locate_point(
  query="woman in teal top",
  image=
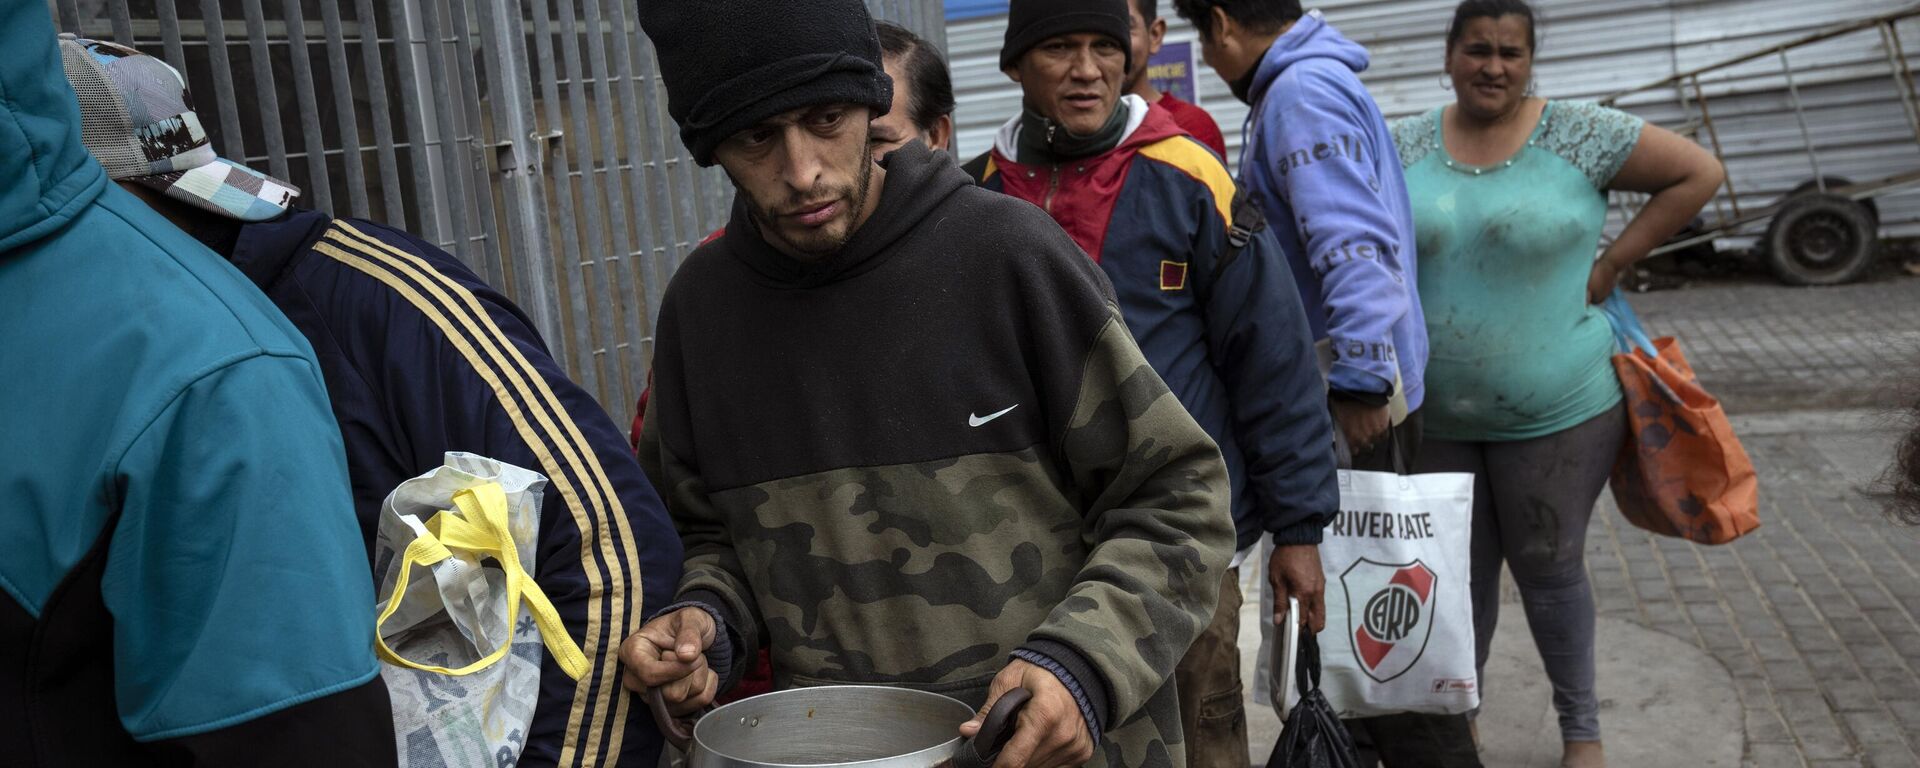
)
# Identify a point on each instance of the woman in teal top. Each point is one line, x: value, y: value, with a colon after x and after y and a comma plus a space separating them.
x: 1509, y: 199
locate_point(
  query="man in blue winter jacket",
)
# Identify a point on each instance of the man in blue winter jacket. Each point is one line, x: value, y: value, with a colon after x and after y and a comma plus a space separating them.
x: 181, y: 579
x: 420, y: 357
x: 1321, y: 162
x: 1206, y: 292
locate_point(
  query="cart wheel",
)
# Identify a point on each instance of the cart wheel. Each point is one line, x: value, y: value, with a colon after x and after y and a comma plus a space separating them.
x: 1821, y: 240
x: 1811, y: 186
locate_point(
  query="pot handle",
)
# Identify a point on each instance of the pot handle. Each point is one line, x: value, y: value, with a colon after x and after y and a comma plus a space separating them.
x: 981, y: 750
x: 678, y: 732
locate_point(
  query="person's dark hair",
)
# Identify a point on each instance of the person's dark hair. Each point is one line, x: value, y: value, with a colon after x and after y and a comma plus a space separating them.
x: 1260, y: 16
x: 1149, y: 10
x: 932, y: 87
x: 1468, y: 10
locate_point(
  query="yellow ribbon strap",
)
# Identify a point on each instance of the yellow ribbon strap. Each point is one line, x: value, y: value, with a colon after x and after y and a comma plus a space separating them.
x: 480, y: 527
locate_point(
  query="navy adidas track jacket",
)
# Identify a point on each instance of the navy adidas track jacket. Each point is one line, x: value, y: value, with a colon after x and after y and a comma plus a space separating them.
x: 420, y: 357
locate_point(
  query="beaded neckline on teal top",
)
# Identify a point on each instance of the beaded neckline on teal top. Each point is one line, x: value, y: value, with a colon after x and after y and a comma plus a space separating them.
x: 1446, y: 158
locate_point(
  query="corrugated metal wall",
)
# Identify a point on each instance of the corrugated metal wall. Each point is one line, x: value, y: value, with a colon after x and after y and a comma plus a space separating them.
x: 1588, y: 49
x: 1851, y: 101
x: 528, y: 137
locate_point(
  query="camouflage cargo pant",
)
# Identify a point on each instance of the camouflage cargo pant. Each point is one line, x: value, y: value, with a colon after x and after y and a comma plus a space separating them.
x: 1212, y: 713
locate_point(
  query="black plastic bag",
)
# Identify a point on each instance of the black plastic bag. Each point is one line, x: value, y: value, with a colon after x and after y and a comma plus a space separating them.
x: 1312, y: 736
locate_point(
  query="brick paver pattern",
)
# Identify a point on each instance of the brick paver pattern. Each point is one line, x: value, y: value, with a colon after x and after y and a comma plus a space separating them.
x: 1815, y: 613
x: 1768, y: 347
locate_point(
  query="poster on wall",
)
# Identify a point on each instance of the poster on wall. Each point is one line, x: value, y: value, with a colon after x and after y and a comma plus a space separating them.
x: 1171, y: 71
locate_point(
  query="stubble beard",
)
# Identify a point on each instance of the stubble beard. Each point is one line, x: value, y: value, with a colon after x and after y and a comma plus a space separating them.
x: 825, y: 246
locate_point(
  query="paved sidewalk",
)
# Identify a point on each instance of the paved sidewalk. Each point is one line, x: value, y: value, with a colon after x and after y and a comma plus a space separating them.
x: 1770, y: 347
x: 1814, y: 618
x: 1814, y: 615
x: 1664, y: 703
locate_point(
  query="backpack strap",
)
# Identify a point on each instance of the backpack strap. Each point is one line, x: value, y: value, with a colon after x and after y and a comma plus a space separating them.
x: 1248, y: 222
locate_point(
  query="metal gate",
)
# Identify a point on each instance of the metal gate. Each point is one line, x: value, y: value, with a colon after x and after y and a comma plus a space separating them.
x: 528, y: 137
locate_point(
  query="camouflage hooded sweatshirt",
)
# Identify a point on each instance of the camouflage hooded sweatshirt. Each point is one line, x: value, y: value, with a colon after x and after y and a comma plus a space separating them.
x: 906, y: 462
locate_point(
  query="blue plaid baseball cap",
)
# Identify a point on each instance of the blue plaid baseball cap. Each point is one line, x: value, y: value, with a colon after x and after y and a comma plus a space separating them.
x: 137, y: 119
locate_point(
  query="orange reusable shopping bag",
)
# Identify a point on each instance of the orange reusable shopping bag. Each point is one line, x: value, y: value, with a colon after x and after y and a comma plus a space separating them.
x: 1681, y: 471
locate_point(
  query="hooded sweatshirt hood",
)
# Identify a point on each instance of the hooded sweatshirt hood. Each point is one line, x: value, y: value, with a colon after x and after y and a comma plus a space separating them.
x: 50, y: 177
x: 918, y: 179
x: 1318, y: 149
x: 1310, y: 38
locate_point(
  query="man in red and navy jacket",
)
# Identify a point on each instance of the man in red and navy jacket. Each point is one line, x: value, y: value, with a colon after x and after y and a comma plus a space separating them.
x: 1212, y: 305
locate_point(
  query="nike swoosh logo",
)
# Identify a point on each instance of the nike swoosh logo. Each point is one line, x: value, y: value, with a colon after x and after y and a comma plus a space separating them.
x: 975, y: 421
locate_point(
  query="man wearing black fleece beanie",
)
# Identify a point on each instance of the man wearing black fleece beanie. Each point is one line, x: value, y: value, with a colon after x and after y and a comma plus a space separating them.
x: 900, y: 425
x: 1029, y: 23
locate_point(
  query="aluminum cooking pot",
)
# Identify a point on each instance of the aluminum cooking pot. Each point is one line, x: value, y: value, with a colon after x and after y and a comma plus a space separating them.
x: 843, y: 726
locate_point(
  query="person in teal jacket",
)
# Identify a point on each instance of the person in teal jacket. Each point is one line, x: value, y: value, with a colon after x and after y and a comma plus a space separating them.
x: 181, y: 578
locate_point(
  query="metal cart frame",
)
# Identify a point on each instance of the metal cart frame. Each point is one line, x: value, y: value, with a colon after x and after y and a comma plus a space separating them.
x: 1812, y: 235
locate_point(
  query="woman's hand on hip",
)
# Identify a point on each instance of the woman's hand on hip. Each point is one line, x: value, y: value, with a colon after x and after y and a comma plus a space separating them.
x: 1601, y: 282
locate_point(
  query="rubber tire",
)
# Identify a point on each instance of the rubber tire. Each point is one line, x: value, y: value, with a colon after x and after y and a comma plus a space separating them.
x: 1821, y: 240
x: 1812, y: 186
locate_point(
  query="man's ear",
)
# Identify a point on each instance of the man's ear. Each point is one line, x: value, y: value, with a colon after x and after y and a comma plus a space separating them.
x: 1223, y: 25
x: 1157, y: 35
x: 941, y: 135
x: 1013, y: 72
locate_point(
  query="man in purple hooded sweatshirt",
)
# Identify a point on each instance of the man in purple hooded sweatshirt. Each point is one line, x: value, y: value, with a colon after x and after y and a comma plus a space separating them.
x: 1320, y: 162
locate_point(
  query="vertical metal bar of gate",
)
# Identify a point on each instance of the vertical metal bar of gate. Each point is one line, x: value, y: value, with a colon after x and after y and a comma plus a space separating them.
x: 412, y: 107
x: 687, y: 201
x: 344, y: 112
x: 268, y: 106
x: 610, y: 143
x: 170, y: 34
x: 453, y: 181
x: 472, y: 165
x: 657, y: 137
x: 595, y: 242
x: 319, y: 192
x: 519, y: 161
x: 636, y: 100
x: 530, y: 267
x: 936, y: 28
x: 70, y: 16
x: 637, y: 265
x: 231, y: 140
x: 379, y: 110
x: 122, y: 25
x: 579, y: 339
x: 692, y: 215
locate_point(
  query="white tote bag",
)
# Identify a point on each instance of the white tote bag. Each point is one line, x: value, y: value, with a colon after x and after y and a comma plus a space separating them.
x: 453, y: 559
x: 1399, y: 634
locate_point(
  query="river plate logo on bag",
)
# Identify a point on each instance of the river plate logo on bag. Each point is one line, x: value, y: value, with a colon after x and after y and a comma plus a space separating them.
x: 1388, y: 612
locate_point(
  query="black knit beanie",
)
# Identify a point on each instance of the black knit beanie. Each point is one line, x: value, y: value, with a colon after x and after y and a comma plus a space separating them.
x: 729, y: 64
x: 1031, y: 21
